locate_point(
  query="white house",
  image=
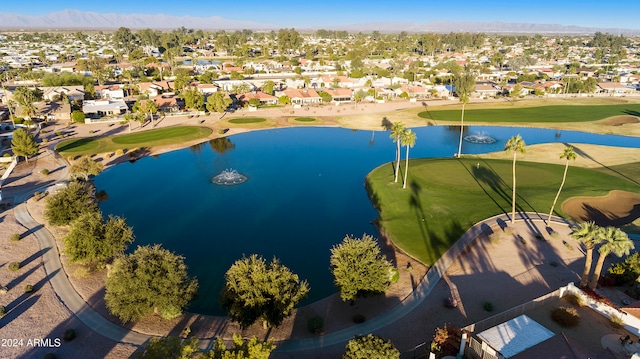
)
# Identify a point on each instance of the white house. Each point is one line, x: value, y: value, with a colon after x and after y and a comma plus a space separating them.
x: 101, y: 108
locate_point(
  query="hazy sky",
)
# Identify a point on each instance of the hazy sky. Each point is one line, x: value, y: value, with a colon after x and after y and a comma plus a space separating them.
x: 300, y: 13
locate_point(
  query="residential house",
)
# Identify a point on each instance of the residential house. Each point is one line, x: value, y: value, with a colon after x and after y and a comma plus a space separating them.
x: 340, y: 81
x: 303, y: 97
x: 54, y: 111
x: 340, y: 95
x: 168, y: 102
x: 74, y: 93
x: 153, y: 89
x: 109, y: 92
x: 207, y: 89
x: 102, y: 108
x: 414, y: 91
x: 615, y: 88
x: 265, y: 99
x: 485, y: 90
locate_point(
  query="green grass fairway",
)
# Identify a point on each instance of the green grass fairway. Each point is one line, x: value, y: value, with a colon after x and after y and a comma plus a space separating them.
x: 539, y: 114
x: 245, y: 120
x: 445, y: 197
x: 305, y: 119
x: 158, y: 137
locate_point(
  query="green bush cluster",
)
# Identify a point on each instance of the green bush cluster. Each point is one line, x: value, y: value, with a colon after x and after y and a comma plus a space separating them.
x: 14, y: 266
x: 15, y: 237
x: 626, y: 272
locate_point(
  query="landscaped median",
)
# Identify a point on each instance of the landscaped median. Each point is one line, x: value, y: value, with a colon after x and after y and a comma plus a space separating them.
x: 158, y: 137
x: 445, y: 197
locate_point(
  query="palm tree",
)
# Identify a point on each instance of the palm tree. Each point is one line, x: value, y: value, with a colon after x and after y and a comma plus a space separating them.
x: 408, y: 139
x: 588, y: 233
x: 397, y: 128
x: 465, y: 84
x: 569, y: 155
x: 515, y: 145
x: 614, y: 241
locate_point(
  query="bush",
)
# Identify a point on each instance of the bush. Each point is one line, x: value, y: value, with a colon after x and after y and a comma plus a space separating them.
x: 508, y: 231
x: 15, y: 237
x: 69, y: 335
x: 575, y: 299
x: 3, y: 310
x: 555, y: 235
x: 359, y: 318
x: 119, y: 152
x: 315, y: 325
x: 566, y: 317
x: 14, y: 266
x: 45, y: 171
x: 394, y: 275
x: 28, y: 288
x: 616, y: 321
x: 494, y: 238
x: 488, y: 306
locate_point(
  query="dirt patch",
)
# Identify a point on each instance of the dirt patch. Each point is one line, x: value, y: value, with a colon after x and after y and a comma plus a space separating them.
x: 615, y: 209
x: 620, y: 120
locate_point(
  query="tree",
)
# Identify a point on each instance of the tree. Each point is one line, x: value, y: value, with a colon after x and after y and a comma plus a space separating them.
x: 91, y: 240
x: 465, y: 84
x: 194, y: 99
x: 588, y: 233
x: 408, y: 139
x: 370, y: 347
x: 242, y: 349
x: 615, y: 241
x: 69, y: 203
x: 124, y: 39
x: 85, y: 167
x: 170, y: 347
x: 24, y: 144
x: 515, y: 145
x: 255, y: 290
x: 397, y: 129
x: 268, y: 87
x: 255, y: 102
x: 218, y: 102
x: 78, y: 116
x: 516, y: 91
x: 284, y: 100
x: 359, y: 268
x: 150, y: 280
x: 150, y: 107
x: 325, y: 96
x: 569, y: 155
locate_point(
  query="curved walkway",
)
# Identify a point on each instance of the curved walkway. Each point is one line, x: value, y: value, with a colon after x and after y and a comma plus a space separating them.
x: 72, y: 300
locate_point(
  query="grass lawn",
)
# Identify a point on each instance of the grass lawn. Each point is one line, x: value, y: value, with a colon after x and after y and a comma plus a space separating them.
x: 445, y: 197
x: 305, y: 119
x: 539, y: 114
x: 158, y: 137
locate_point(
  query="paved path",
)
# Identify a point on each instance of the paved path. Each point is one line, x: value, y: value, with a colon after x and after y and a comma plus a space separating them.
x: 70, y: 298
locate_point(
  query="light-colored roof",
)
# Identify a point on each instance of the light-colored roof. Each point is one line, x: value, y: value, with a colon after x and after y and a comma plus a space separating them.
x: 515, y: 335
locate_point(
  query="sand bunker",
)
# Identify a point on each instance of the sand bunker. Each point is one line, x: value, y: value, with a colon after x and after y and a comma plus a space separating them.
x: 620, y: 120
x: 615, y: 209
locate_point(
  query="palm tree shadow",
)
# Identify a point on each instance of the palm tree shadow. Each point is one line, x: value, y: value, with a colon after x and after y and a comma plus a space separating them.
x: 587, y: 156
x: 485, y: 176
x: 414, y: 203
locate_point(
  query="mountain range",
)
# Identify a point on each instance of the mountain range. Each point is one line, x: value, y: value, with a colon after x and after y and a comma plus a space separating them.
x: 82, y: 20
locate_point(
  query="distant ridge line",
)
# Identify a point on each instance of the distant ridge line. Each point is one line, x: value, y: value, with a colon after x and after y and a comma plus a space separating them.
x: 85, y: 20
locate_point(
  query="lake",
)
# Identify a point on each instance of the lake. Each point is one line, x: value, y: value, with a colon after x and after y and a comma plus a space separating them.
x: 304, y: 193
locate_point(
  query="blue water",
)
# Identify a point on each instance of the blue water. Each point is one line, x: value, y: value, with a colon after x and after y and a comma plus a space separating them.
x: 305, y: 192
